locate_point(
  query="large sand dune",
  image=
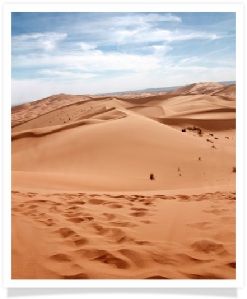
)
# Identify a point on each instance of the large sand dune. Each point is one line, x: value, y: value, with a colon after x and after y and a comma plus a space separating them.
x: 81, y: 180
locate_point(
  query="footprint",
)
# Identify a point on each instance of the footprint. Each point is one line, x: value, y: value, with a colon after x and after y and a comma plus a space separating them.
x: 138, y: 214
x: 109, y: 216
x: 133, y: 256
x: 146, y: 221
x: 32, y: 206
x: 118, y: 196
x: 208, y: 246
x: 203, y: 276
x: 125, y: 239
x: 77, y: 276
x: 165, y: 196
x: 73, y: 208
x: 60, y: 257
x: 96, y: 201
x: 163, y: 259
x: 31, y: 212
x: 72, y: 214
x: 113, y: 261
x: 30, y: 195
x: 184, y: 197
x: 139, y: 209
x: 148, y: 201
x: 185, y: 258
x: 79, y: 240
x: 54, y: 209
x: 15, y: 192
x: 88, y: 218
x: 76, y: 220
x: 48, y: 222
x: 66, y: 232
x: 115, y: 206
x: 38, y: 201
x: 122, y: 224
x: 16, y: 209
x: 77, y: 202
x: 142, y: 242
x: 157, y: 277
x: 90, y: 253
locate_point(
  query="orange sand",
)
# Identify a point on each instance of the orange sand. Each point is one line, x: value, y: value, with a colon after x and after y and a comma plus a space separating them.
x: 80, y: 182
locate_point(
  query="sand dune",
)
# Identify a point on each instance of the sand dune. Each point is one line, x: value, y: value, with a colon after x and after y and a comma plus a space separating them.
x: 227, y: 91
x: 113, y: 152
x: 198, y: 88
x: 28, y: 111
x: 207, y: 88
x: 81, y: 182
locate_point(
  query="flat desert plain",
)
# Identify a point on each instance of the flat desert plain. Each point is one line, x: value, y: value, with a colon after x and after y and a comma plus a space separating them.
x: 132, y: 186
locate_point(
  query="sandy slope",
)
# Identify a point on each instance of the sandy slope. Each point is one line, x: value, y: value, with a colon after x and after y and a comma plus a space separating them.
x: 27, y: 111
x: 80, y: 179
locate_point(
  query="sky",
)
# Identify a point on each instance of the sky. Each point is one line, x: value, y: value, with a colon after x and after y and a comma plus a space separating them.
x: 92, y: 53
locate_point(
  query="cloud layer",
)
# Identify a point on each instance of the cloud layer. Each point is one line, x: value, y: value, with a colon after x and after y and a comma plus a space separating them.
x: 133, y: 50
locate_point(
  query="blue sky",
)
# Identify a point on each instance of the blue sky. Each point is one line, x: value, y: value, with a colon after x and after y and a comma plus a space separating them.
x: 90, y: 53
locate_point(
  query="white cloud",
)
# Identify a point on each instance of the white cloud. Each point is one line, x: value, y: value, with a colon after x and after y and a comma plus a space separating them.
x: 44, y: 41
x: 86, y: 46
x: 90, y: 61
x: 110, y: 29
x: 161, y: 35
x: 160, y: 50
x: 138, y: 20
x: 25, y: 37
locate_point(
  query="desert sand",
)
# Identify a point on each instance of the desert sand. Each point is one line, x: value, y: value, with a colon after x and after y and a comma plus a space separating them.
x: 83, y: 203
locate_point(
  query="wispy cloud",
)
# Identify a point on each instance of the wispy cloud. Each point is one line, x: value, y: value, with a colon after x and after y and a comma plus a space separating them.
x: 90, y: 61
x: 205, y: 58
x: 162, y: 35
x: 43, y: 41
x: 189, y: 60
x: 141, y: 19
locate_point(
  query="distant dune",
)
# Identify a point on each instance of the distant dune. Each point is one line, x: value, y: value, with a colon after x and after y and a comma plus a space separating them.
x: 81, y: 181
x: 208, y: 88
